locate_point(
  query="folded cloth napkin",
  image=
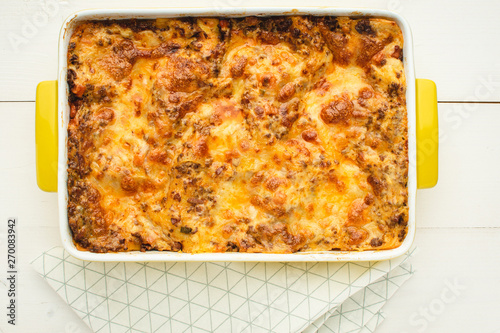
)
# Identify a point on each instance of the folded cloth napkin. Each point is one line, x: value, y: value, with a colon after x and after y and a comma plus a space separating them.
x: 224, y: 297
x: 362, y: 311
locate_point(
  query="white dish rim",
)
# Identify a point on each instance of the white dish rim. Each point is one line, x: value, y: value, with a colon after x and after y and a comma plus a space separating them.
x: 144, y: 13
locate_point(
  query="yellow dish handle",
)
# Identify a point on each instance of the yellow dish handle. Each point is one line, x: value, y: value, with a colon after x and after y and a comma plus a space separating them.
x: 427, y: 134
x: 46, y: 135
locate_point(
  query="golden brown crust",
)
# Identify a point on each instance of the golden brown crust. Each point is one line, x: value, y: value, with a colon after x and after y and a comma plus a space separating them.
x: 270, y: 134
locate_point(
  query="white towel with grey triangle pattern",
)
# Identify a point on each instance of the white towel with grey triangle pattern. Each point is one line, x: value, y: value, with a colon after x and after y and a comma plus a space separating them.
x: 224, y: 297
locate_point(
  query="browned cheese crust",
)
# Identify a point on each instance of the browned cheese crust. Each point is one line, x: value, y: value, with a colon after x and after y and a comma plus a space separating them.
x: 272, y: 134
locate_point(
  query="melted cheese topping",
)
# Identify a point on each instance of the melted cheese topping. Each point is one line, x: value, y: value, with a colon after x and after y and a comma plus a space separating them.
x: 278, y: 134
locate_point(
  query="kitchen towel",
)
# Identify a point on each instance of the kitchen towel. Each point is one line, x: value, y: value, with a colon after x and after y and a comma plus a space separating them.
x: 224, y: 296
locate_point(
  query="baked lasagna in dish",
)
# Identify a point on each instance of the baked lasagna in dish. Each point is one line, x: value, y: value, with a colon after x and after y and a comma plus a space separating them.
x: 255, y: 134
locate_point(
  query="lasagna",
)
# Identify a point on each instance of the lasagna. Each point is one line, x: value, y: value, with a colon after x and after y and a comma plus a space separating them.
x: 274, y: 134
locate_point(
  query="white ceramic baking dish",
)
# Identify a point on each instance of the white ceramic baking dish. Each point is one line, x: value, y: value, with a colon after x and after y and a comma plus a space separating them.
x: 52, y: 114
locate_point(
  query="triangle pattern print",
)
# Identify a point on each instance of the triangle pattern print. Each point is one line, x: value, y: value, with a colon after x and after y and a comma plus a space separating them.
x: 223, y: 297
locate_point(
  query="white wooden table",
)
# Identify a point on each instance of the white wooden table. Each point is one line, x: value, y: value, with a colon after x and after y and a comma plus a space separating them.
x: 456, y: 287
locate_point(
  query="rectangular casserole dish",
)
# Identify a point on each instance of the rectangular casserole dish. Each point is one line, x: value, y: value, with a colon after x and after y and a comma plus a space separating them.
x: 53, y: 113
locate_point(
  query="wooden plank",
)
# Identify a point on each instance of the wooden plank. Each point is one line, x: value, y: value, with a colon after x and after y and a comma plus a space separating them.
x: 455, y: 286
x: 453, y: 43
x: 469, y: 154
x: 40, y: 309
x: 20, y: 195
